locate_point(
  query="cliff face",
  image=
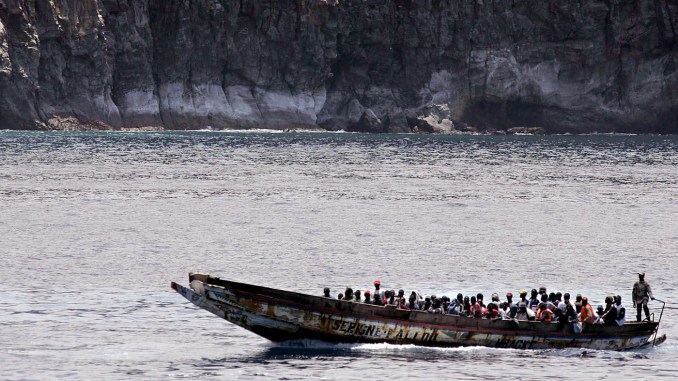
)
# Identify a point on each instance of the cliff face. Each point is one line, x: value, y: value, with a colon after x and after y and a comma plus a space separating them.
x: 368, y: 65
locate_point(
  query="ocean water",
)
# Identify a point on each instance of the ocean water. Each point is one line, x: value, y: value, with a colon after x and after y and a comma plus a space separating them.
x: 95, y: 226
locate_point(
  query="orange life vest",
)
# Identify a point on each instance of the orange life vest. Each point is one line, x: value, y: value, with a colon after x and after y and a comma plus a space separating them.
x: 545, y: 315
x: 587, y: 314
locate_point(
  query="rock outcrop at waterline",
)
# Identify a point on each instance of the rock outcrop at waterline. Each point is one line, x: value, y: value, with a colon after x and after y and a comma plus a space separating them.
x: 361, y: 65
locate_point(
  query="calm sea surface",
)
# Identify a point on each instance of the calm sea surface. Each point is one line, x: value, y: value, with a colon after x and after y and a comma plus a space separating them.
x: 94, y: 226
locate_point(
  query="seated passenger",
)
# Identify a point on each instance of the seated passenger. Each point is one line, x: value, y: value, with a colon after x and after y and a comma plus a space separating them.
x: 571, y: 314
x: 467, y: 306
x: 621, y: 311
x: 446, y: 304
x: 544, y: 313
x: 493, y: 306
x: 609, y: 315
x: 566, y: 300
x: 492, y: 311
x: 456, y: 306
x: 413, y: 301
x: 549, y: 304
x: 477, y: 309
x: 577, y: 300
x: 534, y: 301
x: 368, y: 299
x: 509, y: 299
x: 393, y: 300
x: 402, y: 304
x: 387, y: 296
x: 427, y: 304
x: 523, y: 297
x: 436, y: 305
x: 504, y: 310
x: 326, y: 292
x: 524, y: 313
x: 357, y: 296
x: 586, y: 315
x: 599, y: 314
x: 348, y: 294
x: 340, y: 296
x: 480, y: 299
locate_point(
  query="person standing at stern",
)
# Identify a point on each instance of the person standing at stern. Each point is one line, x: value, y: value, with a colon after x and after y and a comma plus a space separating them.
x: 642, y: 294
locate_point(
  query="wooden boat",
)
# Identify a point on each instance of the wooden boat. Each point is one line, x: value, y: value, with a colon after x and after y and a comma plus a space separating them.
x: 282, y: 315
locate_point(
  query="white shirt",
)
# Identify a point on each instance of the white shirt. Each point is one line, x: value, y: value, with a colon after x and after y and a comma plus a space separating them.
x: 622, y: 320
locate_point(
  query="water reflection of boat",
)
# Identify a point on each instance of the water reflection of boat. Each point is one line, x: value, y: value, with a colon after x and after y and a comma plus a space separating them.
x: 282, y: 315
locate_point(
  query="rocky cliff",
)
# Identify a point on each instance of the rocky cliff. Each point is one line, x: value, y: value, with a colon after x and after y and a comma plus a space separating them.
x: 366, y: 65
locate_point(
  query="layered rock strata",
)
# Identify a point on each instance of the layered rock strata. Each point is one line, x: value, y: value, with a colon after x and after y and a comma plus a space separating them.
x: 358, y: 65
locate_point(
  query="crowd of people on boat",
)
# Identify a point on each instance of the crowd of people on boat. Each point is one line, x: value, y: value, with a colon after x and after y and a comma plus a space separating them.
x: 539, y: 305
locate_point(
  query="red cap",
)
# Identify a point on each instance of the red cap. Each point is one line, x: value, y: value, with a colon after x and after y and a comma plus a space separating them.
x: 509, y: 294
x: 377, y: 281
x: 367, y: 292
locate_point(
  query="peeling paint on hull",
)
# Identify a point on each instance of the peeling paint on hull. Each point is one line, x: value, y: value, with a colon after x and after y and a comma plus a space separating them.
x: 280, y: 315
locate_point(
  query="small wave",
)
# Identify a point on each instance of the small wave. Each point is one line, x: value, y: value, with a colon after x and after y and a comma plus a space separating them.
x: 381, y: 347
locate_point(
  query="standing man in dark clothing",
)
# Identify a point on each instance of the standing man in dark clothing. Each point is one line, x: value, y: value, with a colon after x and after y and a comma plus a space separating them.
x: 642, y: 293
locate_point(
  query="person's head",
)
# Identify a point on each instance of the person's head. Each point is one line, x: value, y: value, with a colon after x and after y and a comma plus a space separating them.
x: 542, y: 290
x: 641, y: 276
x: 617, y: 300
x: 522, y: 307
x: 544, y: 298
x: 401, y: 293
x: 534, y: 293
x: 509, y: 296
x: 542, y: 306
x: 466, y: 300
x: 479, y: 297
x: 495, y: 297
x: 523, y: 294
x: 559, y: 296
x: 566, y: 297
x: 377, y: 284
x: 387, y: 294
x: 552, y: 297
x: 584, y: 301
x: 503, y: 305
x: 578, y: 298
x: 600, y: 309
x: 368, y: 295
x: 357, y: 294
x: 413, y: 297
x: 340, y: 296
x: 326, y: 292
x: 474, y: 300
x: 609, y: 299
x: 460, y: 297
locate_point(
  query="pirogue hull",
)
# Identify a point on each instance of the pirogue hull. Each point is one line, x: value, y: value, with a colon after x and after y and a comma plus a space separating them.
x: 282, y: 315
